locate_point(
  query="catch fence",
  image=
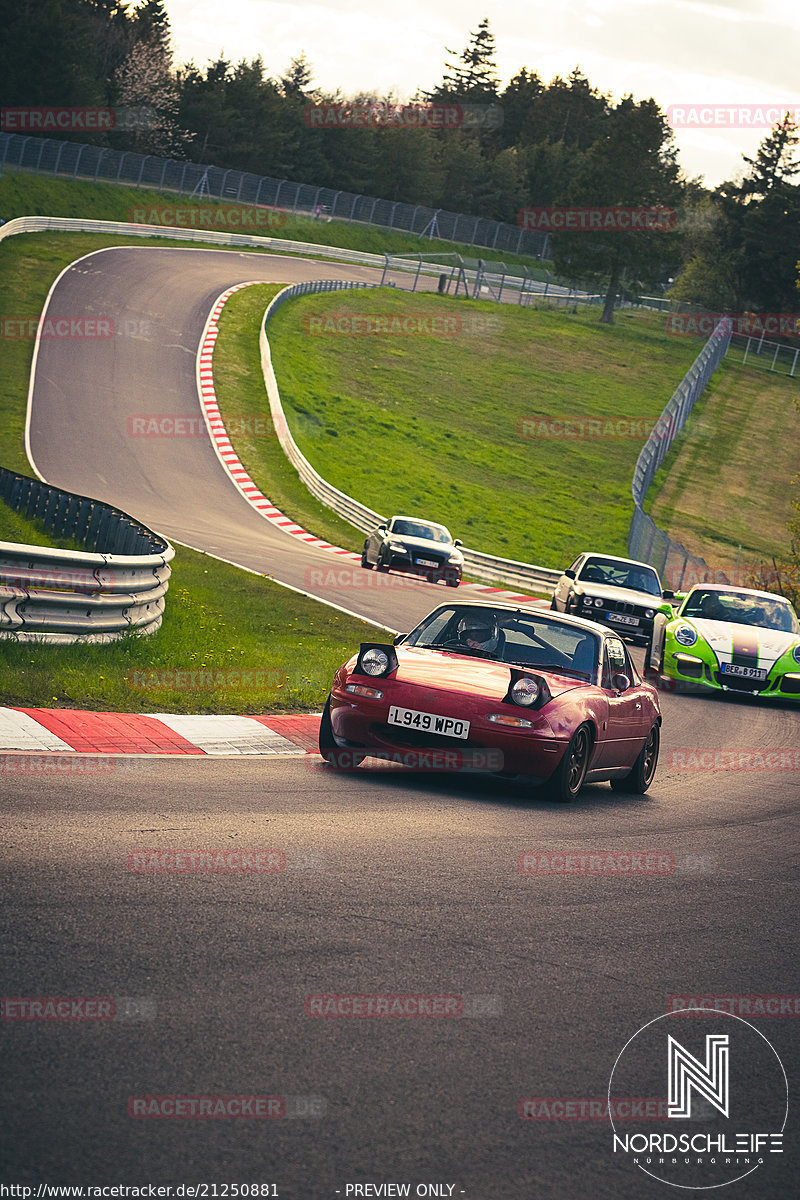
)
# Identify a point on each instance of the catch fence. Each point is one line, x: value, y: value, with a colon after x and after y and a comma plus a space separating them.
x: 102, y: 164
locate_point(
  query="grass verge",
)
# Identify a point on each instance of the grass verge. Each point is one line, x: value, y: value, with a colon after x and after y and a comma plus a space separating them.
x: 230, y: 642
x: 24, y: 194
x: 724, y: 490
x: 486, y: 429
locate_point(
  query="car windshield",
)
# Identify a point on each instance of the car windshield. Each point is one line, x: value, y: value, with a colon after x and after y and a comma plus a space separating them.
x: 741, y: 608
x: 420, y: 529
x: 620, y: 574
x: 519, y: 638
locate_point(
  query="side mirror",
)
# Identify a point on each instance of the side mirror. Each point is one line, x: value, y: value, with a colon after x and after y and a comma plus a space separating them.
x: 570, y: 574
x: 381, y: 529
x: 667, y: 594
x: 398, y: 638
x: 621, y: 682
x: 458, y: 542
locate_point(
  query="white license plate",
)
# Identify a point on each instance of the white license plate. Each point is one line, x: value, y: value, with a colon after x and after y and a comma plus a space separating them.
x: 622, y: 619
x: 425, y: 562
x: 759, y: 673
x: 411, y: 718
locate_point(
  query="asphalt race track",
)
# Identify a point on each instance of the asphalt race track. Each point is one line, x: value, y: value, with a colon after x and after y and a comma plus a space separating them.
x: 393, y: 884
x: 83, y: 398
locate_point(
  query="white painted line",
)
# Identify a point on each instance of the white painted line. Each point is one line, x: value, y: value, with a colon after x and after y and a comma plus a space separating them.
x: 18, y: 731
x: 228, y: 735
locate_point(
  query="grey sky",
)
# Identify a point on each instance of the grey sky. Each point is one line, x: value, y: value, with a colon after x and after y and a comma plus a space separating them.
x: 686, y: 52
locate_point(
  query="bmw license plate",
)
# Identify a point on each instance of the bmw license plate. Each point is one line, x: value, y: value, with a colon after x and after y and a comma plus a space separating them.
x: 425, y: 562
x: 759, y: 673
x: 622, y: 618
x: 411, y: 718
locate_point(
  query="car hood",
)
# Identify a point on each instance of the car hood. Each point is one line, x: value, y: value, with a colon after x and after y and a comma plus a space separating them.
x: 607, y: 591
x: 448, y: 670
x: 415, y: 543
x: 726, y: 638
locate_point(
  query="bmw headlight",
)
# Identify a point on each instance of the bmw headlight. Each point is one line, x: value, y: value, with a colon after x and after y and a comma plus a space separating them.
x: 374, y: 662
x: 796, y: 652
x: 685, y: 635
x: 649, y: 612
x: 598, y: 603
x: 525, y: 691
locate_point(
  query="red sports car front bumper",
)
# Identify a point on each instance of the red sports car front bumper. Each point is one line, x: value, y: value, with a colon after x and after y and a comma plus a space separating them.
x: 362, y: 723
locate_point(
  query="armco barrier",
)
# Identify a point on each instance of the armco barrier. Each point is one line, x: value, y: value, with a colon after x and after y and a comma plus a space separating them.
x: 118, y: 583
x: 482, y: 566
x: 646, y: 541
x: 472, y: 276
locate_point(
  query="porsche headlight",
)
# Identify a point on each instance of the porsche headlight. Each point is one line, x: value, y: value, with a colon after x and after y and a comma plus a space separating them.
x: 685, y: 635
x: 374, y: 662
x: 525, y: 691
x: 796, y: 652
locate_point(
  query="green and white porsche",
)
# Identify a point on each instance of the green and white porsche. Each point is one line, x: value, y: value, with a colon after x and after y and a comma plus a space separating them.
x: 728, y: 639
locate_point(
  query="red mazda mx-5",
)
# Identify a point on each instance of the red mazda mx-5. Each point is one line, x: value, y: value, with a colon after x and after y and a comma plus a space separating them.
x: 516, y: 691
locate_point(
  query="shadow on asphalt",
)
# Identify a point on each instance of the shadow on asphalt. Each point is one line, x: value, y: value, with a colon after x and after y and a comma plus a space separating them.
x: 506, y: 793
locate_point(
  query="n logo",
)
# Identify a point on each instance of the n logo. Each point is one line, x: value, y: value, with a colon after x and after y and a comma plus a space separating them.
x: 709, y: 1079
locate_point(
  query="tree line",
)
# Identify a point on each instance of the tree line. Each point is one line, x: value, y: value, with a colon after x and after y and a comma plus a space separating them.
x: 529, y: 145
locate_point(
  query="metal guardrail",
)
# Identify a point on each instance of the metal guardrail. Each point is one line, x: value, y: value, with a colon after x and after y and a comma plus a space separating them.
x: 21, y: 225
x: 483, y: 566
x: 646, y: 542
x: 118, y: 583
x: 179, y: 233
